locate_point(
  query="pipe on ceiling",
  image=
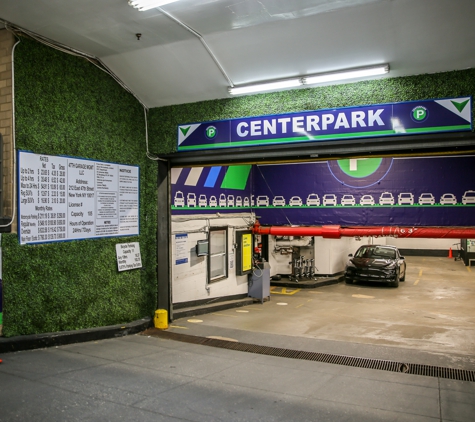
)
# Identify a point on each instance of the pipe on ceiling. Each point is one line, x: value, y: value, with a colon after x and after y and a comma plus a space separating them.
x: 336, y: 232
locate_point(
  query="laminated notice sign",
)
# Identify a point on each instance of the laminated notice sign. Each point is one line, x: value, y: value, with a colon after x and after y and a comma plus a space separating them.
x: 128, y: 256
x: 65, y: 198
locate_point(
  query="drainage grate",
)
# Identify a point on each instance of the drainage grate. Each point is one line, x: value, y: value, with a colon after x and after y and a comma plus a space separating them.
x: 383, y: 365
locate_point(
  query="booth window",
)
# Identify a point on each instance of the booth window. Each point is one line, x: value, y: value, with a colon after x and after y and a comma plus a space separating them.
x: 218, y: 254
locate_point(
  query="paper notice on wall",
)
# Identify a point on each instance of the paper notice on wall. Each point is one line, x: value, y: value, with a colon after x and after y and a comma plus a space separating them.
x: 64, y: 198
x: 128, y: 256
x: 181, y: 249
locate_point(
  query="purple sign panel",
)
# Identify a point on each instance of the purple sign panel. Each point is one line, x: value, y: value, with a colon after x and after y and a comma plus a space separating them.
x: 416, y: 117
x: 429, y: 191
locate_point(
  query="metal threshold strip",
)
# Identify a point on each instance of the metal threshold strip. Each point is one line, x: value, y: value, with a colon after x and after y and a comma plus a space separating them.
x: 383, y: 365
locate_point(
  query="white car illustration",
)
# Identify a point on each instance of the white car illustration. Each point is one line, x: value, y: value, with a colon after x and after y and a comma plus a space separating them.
x: 230, y: 200
x: 405, y: 198
x: 278, y: 201
x: 448, y: 199
x: 367, y: 200
x: 313, y: 200
x: 179, y: 200
x: 295, y: 201
x: 348, y: 200
x: 252, y: 201
x: 222, y: 200
x: 246, y: 202
x: 262, y: 201
x: 238, y: 201
x: 426, y: 199
x: 468, y: 197
x: 386, y: 198
x: 202, y: 201
x: 191, y: 200
x: 329, y: 199
x: 212, y: 201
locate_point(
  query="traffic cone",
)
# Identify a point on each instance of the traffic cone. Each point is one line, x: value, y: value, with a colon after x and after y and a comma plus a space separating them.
x: 450, y: 253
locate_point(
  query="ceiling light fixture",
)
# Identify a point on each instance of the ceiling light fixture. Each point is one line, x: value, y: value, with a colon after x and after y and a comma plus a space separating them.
x: 311, y: 80
x: 266, y: 86
x: 143, y: 5
x: 346, y: 74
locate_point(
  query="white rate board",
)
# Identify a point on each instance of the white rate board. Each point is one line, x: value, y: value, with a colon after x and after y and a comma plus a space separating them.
x: 66, y: 198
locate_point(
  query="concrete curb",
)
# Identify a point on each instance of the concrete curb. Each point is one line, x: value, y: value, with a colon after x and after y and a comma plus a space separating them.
x: 39, y: 341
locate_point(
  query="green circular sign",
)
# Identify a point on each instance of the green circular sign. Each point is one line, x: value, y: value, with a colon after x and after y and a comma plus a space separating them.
x: 359, y: 167
x: 211, y: 132
x: 419, y: 113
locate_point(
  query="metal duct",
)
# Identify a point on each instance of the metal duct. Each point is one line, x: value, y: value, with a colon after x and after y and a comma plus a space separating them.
x: 336, y: 232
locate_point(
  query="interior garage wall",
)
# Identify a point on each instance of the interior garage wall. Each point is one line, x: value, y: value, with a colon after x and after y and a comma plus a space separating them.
x: 189, y: 279
x: 67, y: 106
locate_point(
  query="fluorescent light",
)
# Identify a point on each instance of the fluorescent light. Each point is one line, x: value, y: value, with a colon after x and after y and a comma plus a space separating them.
x: 311, y: 80
x: 269, y: 86
x: 346, y: 74
x: 143, y: 5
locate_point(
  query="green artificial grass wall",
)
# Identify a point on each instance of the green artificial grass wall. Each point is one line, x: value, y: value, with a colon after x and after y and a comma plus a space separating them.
x: 67, y: 106
x: 164, y: 120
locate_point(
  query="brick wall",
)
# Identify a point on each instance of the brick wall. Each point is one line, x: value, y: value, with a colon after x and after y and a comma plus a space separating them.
x: 7, y: 40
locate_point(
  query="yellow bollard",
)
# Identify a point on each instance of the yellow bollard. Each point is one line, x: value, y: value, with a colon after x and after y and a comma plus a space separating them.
x: 161, y: 319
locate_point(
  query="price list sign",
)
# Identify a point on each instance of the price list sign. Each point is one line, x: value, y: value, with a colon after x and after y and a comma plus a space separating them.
x: 63, y: 198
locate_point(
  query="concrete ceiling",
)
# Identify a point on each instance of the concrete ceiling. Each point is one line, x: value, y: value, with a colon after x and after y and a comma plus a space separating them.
x: 253, y: 40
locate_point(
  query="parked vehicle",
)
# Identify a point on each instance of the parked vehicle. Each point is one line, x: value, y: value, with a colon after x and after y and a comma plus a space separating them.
x: 405, y: 198
x: 179, y: 200
x: 313, y: 200
x: 329, y: 199
x: 386, y: 198
x: 278, y: 201
x: 191, y: 200
x: 367, y: 200
x: 348, y: 200
x: 295, y: 201
x: 376, y: 263
x: 468, y: 197
x: 262, y: 201
x: 448, y: 199
x: 426, y: 199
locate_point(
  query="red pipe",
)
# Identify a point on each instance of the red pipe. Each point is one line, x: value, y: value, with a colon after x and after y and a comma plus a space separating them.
x: 336, y: 232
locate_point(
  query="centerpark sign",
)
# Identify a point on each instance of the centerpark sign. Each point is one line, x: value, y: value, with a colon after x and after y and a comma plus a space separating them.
x: 382, y: 120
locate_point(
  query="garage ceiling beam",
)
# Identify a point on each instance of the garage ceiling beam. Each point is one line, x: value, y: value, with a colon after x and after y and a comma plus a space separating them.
x: 408, y: 145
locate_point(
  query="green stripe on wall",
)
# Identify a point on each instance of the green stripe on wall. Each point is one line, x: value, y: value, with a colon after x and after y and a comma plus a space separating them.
x: 236, y: 177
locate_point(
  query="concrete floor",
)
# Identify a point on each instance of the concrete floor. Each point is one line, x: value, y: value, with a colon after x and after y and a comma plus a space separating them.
x: 432, y: 311
x: 141, y: 378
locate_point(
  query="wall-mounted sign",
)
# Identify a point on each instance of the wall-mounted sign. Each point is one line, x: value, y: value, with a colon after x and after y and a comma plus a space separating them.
x: 128, y: 256
x: 64, y: 198
x: 244, y: 252
x: 409, y: 118
x: 181, y: 249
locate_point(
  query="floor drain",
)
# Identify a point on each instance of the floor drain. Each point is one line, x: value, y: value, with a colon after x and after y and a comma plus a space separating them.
x: 383, y: 365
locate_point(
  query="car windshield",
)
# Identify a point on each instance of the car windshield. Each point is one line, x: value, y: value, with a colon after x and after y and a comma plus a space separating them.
x: 469, y: 194
x: 375, y: 252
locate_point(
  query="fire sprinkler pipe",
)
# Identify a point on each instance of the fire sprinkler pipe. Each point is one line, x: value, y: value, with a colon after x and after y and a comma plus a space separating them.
x: 336, y: 232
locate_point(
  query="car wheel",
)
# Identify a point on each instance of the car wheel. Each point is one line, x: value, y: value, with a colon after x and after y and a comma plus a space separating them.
x: 403, y: 278
x: 348, y: 281
x: 395, y: 283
